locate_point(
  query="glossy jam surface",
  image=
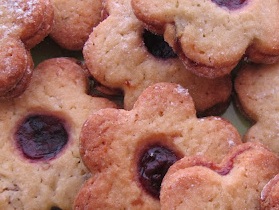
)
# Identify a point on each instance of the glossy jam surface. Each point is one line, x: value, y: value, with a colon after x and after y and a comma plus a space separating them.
x: 153, y: 165
x: 230, y: 4
x: 41, y: 137
x: 156, y: 45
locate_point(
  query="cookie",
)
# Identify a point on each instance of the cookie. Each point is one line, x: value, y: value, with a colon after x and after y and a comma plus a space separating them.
x: 40, y: 160
x: 74, y: 21
x: 257, y: 97
x: 121, y: 54
x: 24, y: 23
x: 129, y: 152
x: 211, y: 37
x: 235, y: 183
x: 270, y: 194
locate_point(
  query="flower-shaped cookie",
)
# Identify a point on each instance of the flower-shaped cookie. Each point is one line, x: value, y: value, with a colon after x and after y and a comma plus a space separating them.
x: 128, y: 152
x: 212, y: 36
x: 23, y: 24
x: 39, y: 153
x: 118, y: 54
x: 235, y: 183
x: 74, y: 21
x: 257, y: 95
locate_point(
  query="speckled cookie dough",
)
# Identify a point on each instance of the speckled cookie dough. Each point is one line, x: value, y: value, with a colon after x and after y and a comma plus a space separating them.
x: 258, y: 99
x: 211, y: 36
x: 121, y: 54
x: 270, y: 194
x: 129, y: 152
x: 74, y: 21
x: 235, y: 183
x: 39, y: 138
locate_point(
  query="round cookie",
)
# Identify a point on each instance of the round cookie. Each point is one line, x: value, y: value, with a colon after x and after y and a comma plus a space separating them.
x: 129, y: 152
x: 74, y: 21
x: 24, y: 23
x: 40, y: 160
x: 211, y: 37
x: 235, y: 183
x: 118, y: 54
x: 257, y: 97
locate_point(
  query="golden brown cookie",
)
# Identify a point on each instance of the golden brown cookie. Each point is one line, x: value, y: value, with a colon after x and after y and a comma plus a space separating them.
x: 129, y: 152
x: 235, y: 183
x: 39, y: 150
x: 74, y: 21
x: 24, y: 23
x: 257, y: 96
x: 121, y: 54
x: 212, y: 36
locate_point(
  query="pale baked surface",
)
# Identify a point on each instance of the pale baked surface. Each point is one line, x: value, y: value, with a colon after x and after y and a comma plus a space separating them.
x: 24, y: 23
x: 117, y: 57
x: 257, y: 95
x: 58, y: 88
x: 212, y: 39
x: 74, y: 21
x: 113, y: 139
x: 235, y: 183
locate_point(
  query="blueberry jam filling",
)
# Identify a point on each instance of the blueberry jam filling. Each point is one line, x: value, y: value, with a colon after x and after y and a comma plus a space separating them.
x: 153, y: 165
x: 230, y: 4
x: 41, y: 137
x: 156, y: 45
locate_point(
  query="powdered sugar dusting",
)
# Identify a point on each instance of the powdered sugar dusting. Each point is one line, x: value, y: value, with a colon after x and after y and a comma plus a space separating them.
x: 14, y: 13
x: 23, y: 12
x: 182, y: 90
x: 231, y: 142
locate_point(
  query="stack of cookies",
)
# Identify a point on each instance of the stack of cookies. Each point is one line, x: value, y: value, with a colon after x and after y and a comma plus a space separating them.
x: 121, y: 104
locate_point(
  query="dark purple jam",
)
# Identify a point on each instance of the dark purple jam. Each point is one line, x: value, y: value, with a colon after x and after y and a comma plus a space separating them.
x: 230, y: 4
x: 41, y: 137
x: 55, y: 208
x: 153, y: 165
x: 157, y: 46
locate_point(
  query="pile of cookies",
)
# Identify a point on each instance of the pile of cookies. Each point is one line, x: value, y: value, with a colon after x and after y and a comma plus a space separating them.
x: 117, y: 104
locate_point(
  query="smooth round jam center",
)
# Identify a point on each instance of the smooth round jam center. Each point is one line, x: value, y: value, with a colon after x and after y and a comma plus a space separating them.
x: 41, y: 137
x: 230, y: 4
x: 153, y: 165
x: 157, y: 46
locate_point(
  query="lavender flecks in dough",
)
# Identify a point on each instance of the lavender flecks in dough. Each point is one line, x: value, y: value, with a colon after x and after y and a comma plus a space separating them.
x: 157, y: 46
x: 230, y: 4
x: 41, y: 137
x: 153, y: 165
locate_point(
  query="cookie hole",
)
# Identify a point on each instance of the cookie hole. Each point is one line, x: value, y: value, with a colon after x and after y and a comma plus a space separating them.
x: 153, y: 164
x: 230, y: 4
x: 96, y: 89
x: 55, y: 208
x: 41, y: 137
x: 157, y: 46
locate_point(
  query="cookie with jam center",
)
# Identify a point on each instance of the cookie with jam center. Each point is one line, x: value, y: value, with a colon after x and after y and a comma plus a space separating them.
x: 40, y: 160
x: 212, y: 36
x: 235, y: 183
x: 120, y: 53
x: 129, y: 152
